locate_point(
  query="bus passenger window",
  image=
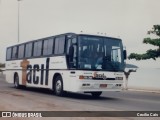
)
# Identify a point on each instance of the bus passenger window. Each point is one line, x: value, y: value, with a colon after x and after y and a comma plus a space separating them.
x: 28, y: 50
x: 37, y: 48
x: 48, y: 46
x: 9, y: 52
x: 21, y: 51
x: 59, y: 45
x: 14, y: 53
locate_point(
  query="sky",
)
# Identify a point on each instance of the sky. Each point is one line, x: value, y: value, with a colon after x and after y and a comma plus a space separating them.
x: 126, y: 19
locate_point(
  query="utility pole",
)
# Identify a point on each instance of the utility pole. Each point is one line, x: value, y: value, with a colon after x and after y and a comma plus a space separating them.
x: 18, y: 20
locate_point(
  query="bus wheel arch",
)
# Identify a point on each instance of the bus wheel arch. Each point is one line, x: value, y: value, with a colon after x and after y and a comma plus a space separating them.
x: 58, y: 84
x: 16, y: 80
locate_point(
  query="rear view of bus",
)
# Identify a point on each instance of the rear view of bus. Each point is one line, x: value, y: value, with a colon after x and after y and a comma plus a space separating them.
x: 68, y: 62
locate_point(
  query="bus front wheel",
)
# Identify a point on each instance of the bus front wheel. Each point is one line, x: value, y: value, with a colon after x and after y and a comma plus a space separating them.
x: 58, y: 86
x: 96, y: 94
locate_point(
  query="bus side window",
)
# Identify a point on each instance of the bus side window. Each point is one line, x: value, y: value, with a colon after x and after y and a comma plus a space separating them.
x: 21, y: 51
x: 48, y: 46
x: 28, y: 50
x: 73, y: 53
x: 59, y: 45
x: 9, y: 53
x: 68, y: 45
x: 14, y: 52
x: 37, y: 48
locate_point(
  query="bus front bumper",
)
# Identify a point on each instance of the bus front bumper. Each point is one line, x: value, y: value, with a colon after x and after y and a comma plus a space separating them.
x: 96, y: 85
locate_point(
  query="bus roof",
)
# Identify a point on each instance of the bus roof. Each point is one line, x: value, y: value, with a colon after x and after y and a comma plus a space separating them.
x: 69, y: 34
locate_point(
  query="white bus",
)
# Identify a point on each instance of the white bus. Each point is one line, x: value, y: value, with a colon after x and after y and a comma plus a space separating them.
x: 68, y: 62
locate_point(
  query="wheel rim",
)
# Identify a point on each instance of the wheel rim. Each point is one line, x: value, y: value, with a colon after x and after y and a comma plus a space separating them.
x: 58, y: 86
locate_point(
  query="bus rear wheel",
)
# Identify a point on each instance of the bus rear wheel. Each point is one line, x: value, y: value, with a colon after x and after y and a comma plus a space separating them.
x: 96, y: 94
x: 58, y: 86
x: 16, y: 81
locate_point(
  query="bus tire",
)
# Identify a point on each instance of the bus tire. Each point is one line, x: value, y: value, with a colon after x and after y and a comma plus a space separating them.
x: 58, y: 86
x: 96, y: 94
x: 16, y: 82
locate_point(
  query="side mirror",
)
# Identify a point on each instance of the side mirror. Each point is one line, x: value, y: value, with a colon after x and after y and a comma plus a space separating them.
x: 125, y: 54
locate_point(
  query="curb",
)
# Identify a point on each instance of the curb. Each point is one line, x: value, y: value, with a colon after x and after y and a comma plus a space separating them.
x: 144, y: 90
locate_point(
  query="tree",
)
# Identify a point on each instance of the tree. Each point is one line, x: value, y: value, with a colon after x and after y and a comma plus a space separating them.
x: 149, y: 53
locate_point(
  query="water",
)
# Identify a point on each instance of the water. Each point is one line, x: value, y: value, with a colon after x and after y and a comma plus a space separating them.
x: 145, y: 78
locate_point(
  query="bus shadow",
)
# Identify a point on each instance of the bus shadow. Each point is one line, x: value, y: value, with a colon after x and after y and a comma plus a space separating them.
x: 82, y: 96
x: 87, y: 96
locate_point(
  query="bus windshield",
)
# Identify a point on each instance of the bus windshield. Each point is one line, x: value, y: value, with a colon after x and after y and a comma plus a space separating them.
x: 100, y: 53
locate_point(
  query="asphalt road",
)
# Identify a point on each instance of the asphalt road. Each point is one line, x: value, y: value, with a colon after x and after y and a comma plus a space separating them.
x: 29, y: 99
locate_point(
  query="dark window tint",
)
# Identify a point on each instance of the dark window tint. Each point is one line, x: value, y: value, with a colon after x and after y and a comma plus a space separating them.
x: 21, y: 51
x: 14, y: 53
x: 59, y: 45
x: 68, y: 45
x: 28, y: 51
x: 37, y: 48
x: 9, y: 51
x: 48, y: 46
x: 70, y: 42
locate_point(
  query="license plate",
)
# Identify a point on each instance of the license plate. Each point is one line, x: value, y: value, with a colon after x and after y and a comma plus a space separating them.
x: 103, y: 85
